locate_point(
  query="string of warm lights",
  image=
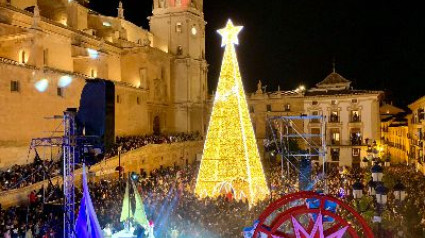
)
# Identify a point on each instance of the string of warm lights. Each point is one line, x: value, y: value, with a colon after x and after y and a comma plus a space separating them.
x: 231, y: 159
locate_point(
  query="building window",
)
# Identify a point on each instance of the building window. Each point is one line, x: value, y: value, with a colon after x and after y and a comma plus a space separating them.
x: 46, y: 56
x: 334, y: 117
x: 333, y: 102
x: 354, y: 101
x: 138, y: 100
x: 179, y: 27
x: 269, y: 107
x: 60, y: 92
x: 335, y: 154
x: 356, y: 155
x: 355, y: 116
x: 287, y: 107
x: 118, y: 99
x: 421, y: 114
x: 23, y: 57
x: 335, y: 137
x: 93, y: 73
x: 14, y: 86
x: 356, y: 136
x: 194, y: 31
x: 316, y: 139
x: 315, y: 103
x: 251, y: 109
x: 143, y: 75
x: 179, y: 50
x: 315, y: 120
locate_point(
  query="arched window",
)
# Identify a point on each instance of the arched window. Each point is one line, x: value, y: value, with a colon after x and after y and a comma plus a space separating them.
x: 23, y: 57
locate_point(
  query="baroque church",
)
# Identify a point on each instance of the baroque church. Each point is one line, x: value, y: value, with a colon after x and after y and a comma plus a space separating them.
x: 49, y: 48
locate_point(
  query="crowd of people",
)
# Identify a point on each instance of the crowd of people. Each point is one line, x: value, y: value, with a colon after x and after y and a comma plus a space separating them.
x: 128, y: 143
x: 41, y: 218
x: 173, y: 207
x: 177, y: 212
x: 19, y: 176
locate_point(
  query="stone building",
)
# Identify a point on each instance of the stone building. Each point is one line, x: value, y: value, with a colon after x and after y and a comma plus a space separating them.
x: 394, y: 133
x: 352, y: 116
x: 48, y: 48
x: 416, y: 121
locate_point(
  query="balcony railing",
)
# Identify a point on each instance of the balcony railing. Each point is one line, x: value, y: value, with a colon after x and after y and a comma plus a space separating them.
x: 334, y: 119
x: 355, y: 119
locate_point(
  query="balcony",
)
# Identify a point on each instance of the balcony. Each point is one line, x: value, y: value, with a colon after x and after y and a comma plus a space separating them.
x: 356, y: 140
x: 335, y: 142
x: 355, y: 119
x: 334, y: 119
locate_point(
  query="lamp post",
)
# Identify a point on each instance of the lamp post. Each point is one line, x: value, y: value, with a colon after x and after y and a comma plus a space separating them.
x: 379, y: 193
x: 119, y: 168
x: 387, y: 162
x: 377, y: 172
x: 364, y: 163
x: 399, y: 191
x: 381, y: 202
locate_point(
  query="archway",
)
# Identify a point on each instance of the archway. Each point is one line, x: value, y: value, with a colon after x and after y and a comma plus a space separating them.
x: 156, y: 126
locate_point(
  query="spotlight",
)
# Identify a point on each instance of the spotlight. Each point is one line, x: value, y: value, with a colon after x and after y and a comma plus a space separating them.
x: 134, y: 176
x: 94, y: 54
x: 64, y: 81
x: 42, y: 85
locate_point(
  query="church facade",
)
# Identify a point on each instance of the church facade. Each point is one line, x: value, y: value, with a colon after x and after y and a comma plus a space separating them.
x: 49, y: 48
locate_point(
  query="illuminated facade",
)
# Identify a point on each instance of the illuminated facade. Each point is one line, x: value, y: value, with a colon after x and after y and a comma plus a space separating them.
x: 231, y: 160
x: 352, y: 115
x: 48, y: 48
x: 416, y: 122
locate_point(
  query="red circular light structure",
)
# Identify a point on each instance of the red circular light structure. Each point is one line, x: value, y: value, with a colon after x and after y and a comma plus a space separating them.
x: 310, y: 215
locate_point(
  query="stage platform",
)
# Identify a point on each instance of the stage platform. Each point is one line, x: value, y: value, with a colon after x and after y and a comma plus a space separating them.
x: 124, y: 234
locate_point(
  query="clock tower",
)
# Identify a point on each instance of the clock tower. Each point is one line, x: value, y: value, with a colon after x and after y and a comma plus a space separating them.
x: 178, y: 27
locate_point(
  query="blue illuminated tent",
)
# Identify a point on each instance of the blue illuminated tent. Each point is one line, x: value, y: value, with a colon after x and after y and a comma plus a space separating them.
x: 87, y: 225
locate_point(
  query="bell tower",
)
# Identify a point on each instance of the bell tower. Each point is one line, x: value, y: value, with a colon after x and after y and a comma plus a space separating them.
x: 178, y: 27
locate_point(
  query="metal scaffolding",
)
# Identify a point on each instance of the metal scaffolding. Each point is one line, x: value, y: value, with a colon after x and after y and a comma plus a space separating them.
x: 73, y: 146
x: 287, y: 128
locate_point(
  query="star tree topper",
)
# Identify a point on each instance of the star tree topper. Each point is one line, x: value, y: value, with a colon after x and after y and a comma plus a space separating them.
x: 230, y: 34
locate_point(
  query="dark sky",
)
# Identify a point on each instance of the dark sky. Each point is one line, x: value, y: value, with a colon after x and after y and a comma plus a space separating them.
x: 376, y: 44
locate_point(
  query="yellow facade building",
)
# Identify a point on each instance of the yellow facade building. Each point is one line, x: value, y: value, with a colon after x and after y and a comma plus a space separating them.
x: 416, y: 122
x: 352, y: 116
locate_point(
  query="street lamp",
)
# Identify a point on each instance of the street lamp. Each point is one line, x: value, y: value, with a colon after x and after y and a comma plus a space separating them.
x: 399, y: 191
x: 119, y: 168
x: 358, y: 190
x: 371, y: 186
x: 381, y: 194
x: 377, y: 172
x: 381, y: 202
x: 364, y: 163
x: 387, y: 162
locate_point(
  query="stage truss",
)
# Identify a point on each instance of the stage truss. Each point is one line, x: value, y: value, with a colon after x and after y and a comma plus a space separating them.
x: 73, y: 147
x: 283, y: 129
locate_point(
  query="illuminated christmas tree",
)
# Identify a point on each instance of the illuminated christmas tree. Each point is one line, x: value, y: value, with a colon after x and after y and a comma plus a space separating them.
x: 231, y: 161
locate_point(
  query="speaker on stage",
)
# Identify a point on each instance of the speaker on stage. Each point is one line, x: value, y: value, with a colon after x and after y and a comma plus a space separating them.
x: 97, y: 110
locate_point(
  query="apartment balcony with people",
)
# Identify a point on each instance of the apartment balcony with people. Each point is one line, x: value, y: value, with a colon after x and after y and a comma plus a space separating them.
x: 334, y: 117
x: 356, y: 138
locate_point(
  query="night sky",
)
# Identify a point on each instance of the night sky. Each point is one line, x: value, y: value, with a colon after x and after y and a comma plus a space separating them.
x: 376, y: 44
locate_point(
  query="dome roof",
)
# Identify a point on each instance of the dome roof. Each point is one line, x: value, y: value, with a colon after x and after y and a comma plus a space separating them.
x: 334, y: 79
